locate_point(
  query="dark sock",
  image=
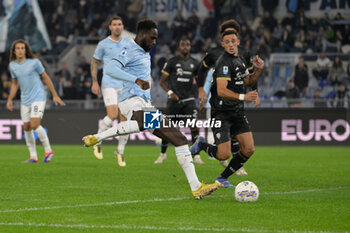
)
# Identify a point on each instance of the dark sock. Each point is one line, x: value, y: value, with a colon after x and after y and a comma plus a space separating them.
x: 210, y: 149
x: 234, y: 147
x: 164, y: 146
x: 236, y: 163
x: 194, y: 134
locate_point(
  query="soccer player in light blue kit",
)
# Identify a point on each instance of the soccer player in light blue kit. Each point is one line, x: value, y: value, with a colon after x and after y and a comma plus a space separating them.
x: 26, y: 71
x: 133, y: 66
x: 111, y: 88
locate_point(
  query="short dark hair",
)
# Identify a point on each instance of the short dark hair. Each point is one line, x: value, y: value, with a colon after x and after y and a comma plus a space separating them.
x: 145, y: 25
x: 115, y: 18
x: 230, y: 24
x: 183, y: 38
x: 228, y: 32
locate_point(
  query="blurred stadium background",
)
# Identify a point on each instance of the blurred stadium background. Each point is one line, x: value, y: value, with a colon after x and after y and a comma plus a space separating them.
x: 300, y: 104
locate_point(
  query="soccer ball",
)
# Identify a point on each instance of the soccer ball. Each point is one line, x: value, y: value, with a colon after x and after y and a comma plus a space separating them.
x: 246, y: 191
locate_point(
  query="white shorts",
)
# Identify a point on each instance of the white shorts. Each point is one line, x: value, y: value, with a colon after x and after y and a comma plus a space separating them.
x: 111, y: 96
x: 128, y: 106
x: 35, y: 110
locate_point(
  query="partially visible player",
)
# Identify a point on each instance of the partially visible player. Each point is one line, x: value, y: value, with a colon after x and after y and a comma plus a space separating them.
x: 26, y: 71
x: 231, y: 75
x: 177, y: 81
x: 105, y: 51
x: 133, y: 65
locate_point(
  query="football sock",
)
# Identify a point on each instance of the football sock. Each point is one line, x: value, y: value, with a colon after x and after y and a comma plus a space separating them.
x: 123, y: 128
x: 30, y: 141
x: 105, y: 124
x: 123, y: 140
x: 210, y: 149
x: 235, y: 146
x: 184, y: 158
x: 194, y: 134
x: 44, y: 139
x: 236, y: 163
x: 164, y: 146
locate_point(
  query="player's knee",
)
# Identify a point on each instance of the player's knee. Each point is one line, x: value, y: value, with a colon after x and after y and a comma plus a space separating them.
x: 112, y: 116
x: 223, y: 154
x: 138, y: 116
x: 248, y: 151
x: 26, y: 127
x: 34, y: 125
x: 181, y: 140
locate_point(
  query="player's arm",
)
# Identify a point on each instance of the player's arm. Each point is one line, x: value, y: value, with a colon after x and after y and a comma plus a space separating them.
x: 56, y: 99
x: 114, y: 69
x: 226, y: 93
x: 201, y: 77
x: 164, y: 85
x: 95, y: 63
x: 13, y: 91
x: 251, y: 79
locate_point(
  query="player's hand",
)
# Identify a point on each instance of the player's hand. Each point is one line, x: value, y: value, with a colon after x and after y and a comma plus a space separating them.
x: 251, y: 96
x: 143, y: 84
x: 95, y: 88
x: 257, y: 101
x: 201, y: 107
x: 174, y: 97
x: 258, y: 62
x: 202, y: 95
x: 57, y: 100
x: 9, y: 105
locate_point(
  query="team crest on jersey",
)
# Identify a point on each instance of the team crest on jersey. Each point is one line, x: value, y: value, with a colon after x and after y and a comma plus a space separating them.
x: 191, y: 66
x: 225, y: 70
x: 123, y: 53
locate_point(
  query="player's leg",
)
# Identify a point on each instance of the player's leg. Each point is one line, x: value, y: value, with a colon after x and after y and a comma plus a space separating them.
x: 190, y: 109
x: 123, y: 140
x: 235, y: 148
x: 162, y: 156
x: 110, y: 99
x: 29, y: 136
x: 36, y: 114
x: 127, y: 108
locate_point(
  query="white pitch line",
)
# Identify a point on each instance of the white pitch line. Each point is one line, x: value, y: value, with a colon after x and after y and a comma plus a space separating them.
x: 157, y: 200
x: 156, y: 228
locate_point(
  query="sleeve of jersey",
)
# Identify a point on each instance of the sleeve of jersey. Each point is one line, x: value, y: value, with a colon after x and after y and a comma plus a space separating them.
x: 39, y: 67
x: 11, y: 72
x: 223, y: 71
x: 98, y: 54
x: 208, y: 81
x: 114, y: 70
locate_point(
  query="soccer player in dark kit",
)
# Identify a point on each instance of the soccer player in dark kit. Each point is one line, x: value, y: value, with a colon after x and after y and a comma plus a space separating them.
x: 229, y: 80
x: 177, y: 81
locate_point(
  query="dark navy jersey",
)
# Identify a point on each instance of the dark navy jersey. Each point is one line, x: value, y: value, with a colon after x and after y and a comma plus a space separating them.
x: 234, y: 70
x: 180, y: 74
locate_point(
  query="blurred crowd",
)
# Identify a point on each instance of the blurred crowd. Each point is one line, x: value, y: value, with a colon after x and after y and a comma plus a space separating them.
x: 263, y: 35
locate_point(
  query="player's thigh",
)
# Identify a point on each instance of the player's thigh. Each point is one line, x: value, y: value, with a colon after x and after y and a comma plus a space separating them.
x: 25, y: 114
x: 190, y: 109
x: 37, y: 110
x: 35, y: 123
x: 246, y: 142
x: 131, y: 105
x: 110, y: 96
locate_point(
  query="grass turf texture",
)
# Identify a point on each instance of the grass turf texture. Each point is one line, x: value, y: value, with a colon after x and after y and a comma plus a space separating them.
x: 78, y: 193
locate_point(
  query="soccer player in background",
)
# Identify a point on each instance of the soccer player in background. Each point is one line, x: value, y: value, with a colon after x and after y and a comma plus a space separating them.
x: 133, y: 65
x: 26, y: 71
x: 230, y: 77
x: 105, y: 51
x: 177, y: 81
x: 209, y: 62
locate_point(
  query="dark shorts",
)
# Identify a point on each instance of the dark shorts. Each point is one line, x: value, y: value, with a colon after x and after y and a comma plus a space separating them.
x: 232, y: 124
x: 181, y: 110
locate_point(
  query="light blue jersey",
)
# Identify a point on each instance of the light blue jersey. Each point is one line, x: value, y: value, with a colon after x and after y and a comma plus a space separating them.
x: 105, y: 51
x: 137, y: 62
x: 28, y: 76
x: 207, y: 85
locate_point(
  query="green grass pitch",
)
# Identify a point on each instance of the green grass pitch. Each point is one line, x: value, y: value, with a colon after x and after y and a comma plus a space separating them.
x: 302, y: 189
